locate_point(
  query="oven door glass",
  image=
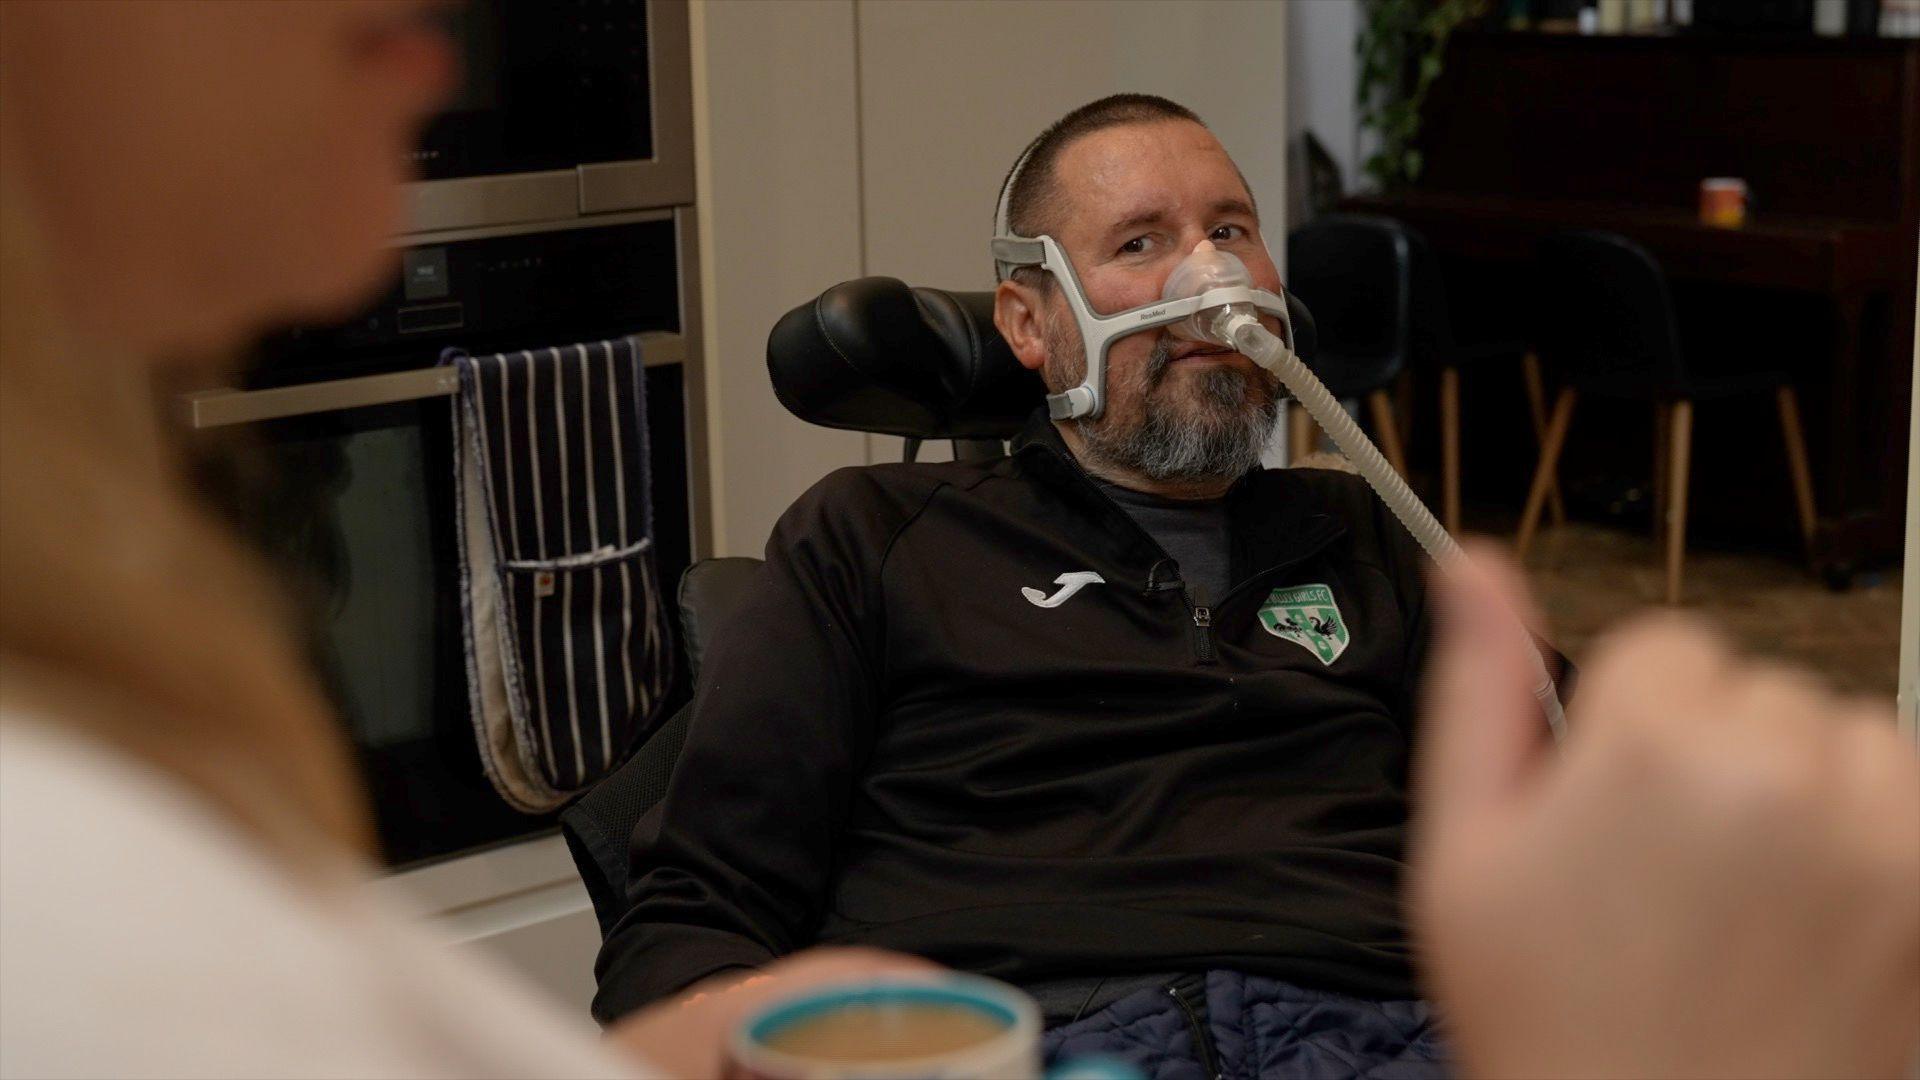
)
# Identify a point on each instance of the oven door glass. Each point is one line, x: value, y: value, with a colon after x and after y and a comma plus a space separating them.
x: 546, y: 84
x: 354, y: 512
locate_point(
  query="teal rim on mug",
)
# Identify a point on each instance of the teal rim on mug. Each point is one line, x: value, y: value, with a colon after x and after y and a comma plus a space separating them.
x: 805, y: 1009
x: 1012, y: 1051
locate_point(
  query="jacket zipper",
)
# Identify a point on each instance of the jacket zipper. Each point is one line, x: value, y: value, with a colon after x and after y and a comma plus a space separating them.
x: 1202, y: 1042
x: 1202, y: 632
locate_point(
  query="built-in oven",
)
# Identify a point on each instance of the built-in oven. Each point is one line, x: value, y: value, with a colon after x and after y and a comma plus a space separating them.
x: 335, y: 456
x: 566, y: 108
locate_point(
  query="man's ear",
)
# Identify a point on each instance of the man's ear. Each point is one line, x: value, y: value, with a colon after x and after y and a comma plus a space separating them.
x: 1018, y: 315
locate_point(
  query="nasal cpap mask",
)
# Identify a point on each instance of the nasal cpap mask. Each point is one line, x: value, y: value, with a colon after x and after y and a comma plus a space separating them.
x: 1210, y: 297
x: 1207, y: 278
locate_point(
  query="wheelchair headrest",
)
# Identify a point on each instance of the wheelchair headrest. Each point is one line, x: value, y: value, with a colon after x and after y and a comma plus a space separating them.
x: 875, y: 354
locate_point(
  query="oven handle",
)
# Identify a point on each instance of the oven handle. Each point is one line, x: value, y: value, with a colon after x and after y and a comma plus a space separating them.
x: 224, y: 407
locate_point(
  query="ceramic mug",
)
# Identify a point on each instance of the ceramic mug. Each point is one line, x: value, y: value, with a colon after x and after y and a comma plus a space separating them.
x: 998, y: 1025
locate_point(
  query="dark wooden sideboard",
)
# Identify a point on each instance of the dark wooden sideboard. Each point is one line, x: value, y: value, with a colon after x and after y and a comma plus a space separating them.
x: 1526, y: 134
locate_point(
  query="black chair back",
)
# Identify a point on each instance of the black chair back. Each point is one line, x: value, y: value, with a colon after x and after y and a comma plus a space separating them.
x: 1437, y: 337
x: 1605, y: 318
x: 1433, y: 337
x: 875, y: 354
x: 1356, y: 272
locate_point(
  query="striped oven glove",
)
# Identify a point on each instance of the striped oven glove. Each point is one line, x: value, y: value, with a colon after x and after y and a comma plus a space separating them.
x: 568, y: 650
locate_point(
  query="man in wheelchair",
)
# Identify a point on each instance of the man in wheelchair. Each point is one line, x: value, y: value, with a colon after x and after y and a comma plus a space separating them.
x: 1122, y: 717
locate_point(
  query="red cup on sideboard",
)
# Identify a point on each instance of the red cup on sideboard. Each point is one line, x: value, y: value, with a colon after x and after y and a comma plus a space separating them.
x: 1723, y: 202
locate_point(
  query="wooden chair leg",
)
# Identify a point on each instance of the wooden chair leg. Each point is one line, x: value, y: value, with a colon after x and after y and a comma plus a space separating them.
x: 1679, y: 450
x: 1537, y: 405
x: 1405, y: 407
x: 1386, y: 428
x: 1551, y: 443
x: 1662, y: 423
x: 1450, y: 448
x: 1797, y: 464
x: 1301, y: 433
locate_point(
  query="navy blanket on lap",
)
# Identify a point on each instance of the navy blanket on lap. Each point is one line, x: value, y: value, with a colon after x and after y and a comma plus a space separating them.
x: 1241, y: 1027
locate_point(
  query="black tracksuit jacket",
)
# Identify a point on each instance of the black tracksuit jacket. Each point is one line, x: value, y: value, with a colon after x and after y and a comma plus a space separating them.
x: 893, y: 746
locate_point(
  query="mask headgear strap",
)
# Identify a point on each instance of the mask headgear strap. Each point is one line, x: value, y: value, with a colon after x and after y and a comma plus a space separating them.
x: 1002, y: 269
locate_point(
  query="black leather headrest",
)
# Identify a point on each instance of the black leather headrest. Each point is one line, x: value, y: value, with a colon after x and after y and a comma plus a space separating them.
x: 875, y: 354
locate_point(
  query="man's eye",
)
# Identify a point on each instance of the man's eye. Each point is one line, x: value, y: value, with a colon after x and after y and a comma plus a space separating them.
x: 1134, y: 246
x: 1226, y: 232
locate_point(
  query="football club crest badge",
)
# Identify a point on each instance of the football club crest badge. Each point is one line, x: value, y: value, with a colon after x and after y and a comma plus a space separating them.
x: 1307, y: 616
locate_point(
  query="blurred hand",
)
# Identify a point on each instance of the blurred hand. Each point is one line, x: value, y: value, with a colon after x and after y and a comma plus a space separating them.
x: 687, y: 1035
x: 1718, y: 874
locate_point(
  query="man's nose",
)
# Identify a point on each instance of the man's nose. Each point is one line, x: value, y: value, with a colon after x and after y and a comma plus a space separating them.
x: 1187, y: 247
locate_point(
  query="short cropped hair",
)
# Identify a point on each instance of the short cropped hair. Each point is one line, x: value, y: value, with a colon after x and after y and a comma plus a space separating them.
x: 1032, y: 200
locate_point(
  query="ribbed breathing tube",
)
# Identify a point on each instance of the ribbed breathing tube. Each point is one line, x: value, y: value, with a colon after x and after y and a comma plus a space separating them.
x: 1237, y: 325
x: 1254, y: 341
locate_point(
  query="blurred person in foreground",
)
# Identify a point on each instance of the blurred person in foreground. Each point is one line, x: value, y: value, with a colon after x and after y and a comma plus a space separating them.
x: 1717, y: 875
x: 182, y: 830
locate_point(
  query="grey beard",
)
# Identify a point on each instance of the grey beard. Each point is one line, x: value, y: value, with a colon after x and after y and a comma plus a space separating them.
x: 1218, y: 433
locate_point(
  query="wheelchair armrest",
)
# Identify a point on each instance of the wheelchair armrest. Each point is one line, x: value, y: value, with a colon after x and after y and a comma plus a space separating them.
x: 599, y: 825
x: 710, y: 592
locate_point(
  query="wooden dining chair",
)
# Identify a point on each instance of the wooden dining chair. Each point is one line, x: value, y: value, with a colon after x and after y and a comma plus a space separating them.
x: 1606, y: 326
x: 1437, y: 347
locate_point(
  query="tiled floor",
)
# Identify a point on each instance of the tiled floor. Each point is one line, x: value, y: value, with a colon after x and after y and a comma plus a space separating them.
x: 1588, y: 576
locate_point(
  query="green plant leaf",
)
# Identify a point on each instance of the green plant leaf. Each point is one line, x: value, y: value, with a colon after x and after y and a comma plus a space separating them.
x: 1401, y: 42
